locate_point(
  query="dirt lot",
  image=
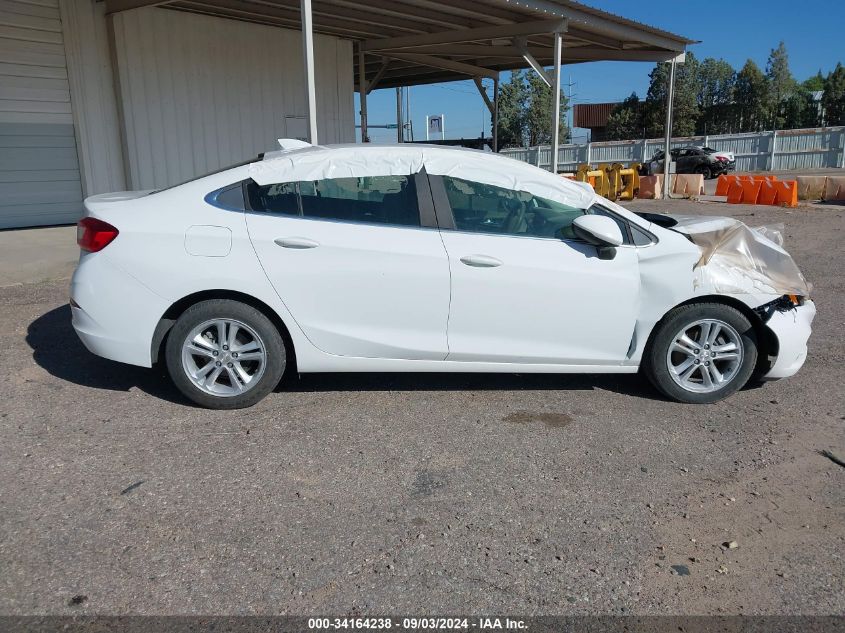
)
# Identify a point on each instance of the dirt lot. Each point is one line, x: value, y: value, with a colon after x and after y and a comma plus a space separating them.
x: 422, y: 494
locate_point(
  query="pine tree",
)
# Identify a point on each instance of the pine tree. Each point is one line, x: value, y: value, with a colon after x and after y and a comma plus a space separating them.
x: 781, y: 85
x: 684, y: 104
x: 814, y: 83
x: 750, y: 96
x: 525, y: 111
x: 513, y: 100
x: 625, y: 121
x: 717, y: 80
x: 539, y: 112
x: 833, y: 100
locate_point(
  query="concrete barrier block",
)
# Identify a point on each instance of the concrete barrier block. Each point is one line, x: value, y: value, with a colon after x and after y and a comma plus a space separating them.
x: 810, y: 187
x: 834, y: 188
x: 651, y: 187
x: 688, y: 185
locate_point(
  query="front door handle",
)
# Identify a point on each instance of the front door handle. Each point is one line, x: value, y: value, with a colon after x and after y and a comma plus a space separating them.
x: 296, y: 242
x: 481, y: 261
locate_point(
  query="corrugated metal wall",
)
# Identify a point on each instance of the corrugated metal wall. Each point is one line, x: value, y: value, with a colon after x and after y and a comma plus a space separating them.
x: 39, y: 171
x: 199, y: 93
x: 92, y: 91
x: 784, y: 149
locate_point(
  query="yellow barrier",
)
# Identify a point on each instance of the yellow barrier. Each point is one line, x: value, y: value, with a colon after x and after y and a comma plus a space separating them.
x: 624, y: 181
x: 614, y: 182
x: 596, y: 177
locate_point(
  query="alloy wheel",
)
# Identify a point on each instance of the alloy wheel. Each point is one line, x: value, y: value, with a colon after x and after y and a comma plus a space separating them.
x: 224, y: 357
x: 705, y: 356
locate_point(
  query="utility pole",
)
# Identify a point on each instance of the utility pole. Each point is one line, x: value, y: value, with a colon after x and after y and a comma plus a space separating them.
x: 408, y: 122
x: 400, y: 120
x: 569, y: 106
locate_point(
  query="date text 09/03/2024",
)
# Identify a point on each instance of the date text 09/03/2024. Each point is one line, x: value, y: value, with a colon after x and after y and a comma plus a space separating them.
x: 416, y: 624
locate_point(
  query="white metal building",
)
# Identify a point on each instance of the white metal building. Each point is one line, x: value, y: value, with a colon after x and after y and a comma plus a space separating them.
x: 108, y: 95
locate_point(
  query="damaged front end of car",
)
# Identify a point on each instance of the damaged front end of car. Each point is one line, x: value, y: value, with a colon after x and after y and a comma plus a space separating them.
x: 739, y: 260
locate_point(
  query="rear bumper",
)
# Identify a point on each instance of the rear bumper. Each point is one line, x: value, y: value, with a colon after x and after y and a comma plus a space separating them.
x: 792, y: 329
x: 115, y: 315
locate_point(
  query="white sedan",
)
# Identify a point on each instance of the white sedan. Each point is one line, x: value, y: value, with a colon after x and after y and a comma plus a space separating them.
x: 426, y: 259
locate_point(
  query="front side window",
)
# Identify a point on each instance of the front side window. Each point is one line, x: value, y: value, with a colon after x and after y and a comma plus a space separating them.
x: 482, y: 208
x: 632, y: 235
x: 370, y: 199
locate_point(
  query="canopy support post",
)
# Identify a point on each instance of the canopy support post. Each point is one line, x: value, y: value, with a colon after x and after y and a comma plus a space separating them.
x: 667, y: 157
x: 558, y: 37
x: 308, y: 57
x: 362, y: 92
x: 495, y: 115
x: 400, y: 132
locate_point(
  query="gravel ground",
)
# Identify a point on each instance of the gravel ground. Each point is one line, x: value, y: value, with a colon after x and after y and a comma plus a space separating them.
x: 422, y: 494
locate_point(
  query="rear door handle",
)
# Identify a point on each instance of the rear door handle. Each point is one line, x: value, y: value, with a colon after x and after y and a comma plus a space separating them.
x: 296, y: 242
x: 481, y: 261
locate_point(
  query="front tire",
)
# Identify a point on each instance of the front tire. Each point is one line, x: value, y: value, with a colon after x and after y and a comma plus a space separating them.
x: 224, y: 354
x: 701, y: 353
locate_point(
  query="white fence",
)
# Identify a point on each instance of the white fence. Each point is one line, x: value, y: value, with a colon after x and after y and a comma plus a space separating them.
x: 760, y: 151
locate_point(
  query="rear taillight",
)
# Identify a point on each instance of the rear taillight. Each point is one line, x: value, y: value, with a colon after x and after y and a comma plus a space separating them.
x: 94, y: 235
x: 724, y: 159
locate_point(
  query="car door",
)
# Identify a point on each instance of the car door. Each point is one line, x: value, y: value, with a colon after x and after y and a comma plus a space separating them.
x: 358, y: 262
x: 687, y: 161
x: 524, y: 290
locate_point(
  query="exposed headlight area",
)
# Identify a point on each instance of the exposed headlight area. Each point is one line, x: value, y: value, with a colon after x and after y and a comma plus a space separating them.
x: 781, y: 304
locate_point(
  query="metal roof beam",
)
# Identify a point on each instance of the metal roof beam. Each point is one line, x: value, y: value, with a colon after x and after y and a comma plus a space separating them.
x: 257, y: 12
x: 586, y: 54
x: 464, y: 35
x: 444, y: 64
x: 600, y: 24
x: 284, y: 23
x: 484, y: 95
x: 594, y: 38
x: 116, y: 6
x: 520, y: 44
x: 358, y: 13
x: 406, y: 12
x: 372, y: 83
x: 469, y: 50
x: 472, y: 9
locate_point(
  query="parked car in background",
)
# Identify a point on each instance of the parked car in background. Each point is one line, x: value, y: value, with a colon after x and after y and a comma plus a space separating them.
x: 695, y: 160
x: 726, y: 158
x: 373, y: 258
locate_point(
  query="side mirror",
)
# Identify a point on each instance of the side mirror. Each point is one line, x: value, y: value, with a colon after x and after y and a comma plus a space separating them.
x: 601, y: 232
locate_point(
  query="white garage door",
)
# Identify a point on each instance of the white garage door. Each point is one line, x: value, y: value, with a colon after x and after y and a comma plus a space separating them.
x: 39, y: 170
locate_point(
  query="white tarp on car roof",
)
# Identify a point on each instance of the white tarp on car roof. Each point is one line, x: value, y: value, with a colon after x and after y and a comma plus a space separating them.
x: 353, y: 161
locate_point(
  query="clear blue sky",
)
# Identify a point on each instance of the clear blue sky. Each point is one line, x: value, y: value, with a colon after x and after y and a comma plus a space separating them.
x: 736, y: 31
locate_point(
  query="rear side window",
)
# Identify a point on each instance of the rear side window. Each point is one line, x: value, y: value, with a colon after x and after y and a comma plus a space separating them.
x: 281, y: 198
x: 378, y: 199
x: 372, y: 199
x: 231, y: 197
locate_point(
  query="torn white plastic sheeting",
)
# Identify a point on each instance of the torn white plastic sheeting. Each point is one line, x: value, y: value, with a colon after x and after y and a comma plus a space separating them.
x: 736, y: 258
x: 355, y: 161
x: 287, y: 144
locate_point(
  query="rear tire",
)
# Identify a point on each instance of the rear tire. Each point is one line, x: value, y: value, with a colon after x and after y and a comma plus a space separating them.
x: 223, y: 354
x: 701, y: 353
x: 705, y: 171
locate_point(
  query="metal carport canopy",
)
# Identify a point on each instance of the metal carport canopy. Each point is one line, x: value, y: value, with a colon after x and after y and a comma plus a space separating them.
x: 414, y: 42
